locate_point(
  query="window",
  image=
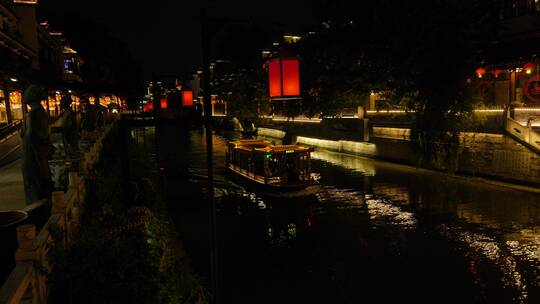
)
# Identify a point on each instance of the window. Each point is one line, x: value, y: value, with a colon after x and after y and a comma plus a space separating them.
x: 15, y: 101
x: 3, y: 111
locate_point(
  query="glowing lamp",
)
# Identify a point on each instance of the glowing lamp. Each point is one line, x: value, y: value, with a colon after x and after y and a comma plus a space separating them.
x: 187, y: 98
x: 284, y: 77
x: 497, y: 72
x: 480, y: 72
x: 148, y: 107
x: 528, y: 68
x: 163, y: 103
x: 25, y: 1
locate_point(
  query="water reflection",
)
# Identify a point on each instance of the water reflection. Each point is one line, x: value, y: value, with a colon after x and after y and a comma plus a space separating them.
x: 496, y: 227
x: 378, y: 227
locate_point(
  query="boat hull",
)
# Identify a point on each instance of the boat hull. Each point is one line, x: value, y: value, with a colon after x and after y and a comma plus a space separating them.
x: 275, y: 190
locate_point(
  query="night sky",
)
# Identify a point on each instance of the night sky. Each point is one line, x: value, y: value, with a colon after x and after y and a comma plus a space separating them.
x: 163, y: 36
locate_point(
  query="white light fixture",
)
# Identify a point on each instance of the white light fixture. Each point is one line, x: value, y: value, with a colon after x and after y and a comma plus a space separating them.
x: 13, y: 79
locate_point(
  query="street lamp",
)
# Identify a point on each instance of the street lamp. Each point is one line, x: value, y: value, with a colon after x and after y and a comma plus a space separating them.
x: 163, y: 103
x: 480, y: 72
x: 205, y: 35
x: 284, y: 78
x: 187, y: 98
x: 528, y: 67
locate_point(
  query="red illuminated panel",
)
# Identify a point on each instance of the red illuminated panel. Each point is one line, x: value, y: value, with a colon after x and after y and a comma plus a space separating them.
x: 274, y: 76
x: 163, y: 103
x: 149, y: 106
x: 291, y: 78
x: 187, y: 98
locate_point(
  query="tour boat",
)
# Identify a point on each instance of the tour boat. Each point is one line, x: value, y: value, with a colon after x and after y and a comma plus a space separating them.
x: 274, y: 169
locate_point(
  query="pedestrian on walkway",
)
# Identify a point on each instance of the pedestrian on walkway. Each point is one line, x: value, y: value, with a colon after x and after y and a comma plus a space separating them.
x: 36, y: 147
x: 70, y: 134
x: 89, y: 115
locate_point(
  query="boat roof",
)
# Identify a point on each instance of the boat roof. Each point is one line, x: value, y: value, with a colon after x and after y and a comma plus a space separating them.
x: 266, y: 146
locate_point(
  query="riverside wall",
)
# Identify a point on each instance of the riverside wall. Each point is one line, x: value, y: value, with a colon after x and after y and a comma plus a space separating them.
x: 489, y: 155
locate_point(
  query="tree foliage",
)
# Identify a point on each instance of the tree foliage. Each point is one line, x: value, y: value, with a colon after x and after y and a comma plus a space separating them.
x: 420, y: 53
x: 248, y: 95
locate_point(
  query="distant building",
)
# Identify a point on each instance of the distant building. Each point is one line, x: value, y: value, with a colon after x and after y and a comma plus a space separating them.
x: 50, y: 55
x: 19, y: 56
x: 72, y: 63
x: 510, y: 75
x: 30, y: 52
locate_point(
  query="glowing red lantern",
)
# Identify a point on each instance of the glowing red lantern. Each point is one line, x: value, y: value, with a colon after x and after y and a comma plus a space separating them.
x: 148, y: 107
x: 480, y: 72
x: 187, y: 98
x: 497, y: 72
x: 528, y: 68
x: 163, y: 103
x: 284, y: 77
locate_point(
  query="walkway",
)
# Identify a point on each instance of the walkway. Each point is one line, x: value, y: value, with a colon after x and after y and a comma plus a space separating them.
x: 11, y: 187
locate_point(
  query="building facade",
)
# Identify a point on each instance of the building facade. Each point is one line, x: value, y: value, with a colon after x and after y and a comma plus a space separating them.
x: 31, y: 53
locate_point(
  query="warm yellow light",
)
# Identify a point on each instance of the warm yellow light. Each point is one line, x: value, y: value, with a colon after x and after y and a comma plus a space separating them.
x: 25, y: 1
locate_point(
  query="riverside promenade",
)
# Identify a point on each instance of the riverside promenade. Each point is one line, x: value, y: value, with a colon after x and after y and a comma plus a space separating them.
x: 11, y: 187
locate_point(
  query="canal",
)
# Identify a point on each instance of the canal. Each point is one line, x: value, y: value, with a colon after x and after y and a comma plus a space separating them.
x: 373, y: 232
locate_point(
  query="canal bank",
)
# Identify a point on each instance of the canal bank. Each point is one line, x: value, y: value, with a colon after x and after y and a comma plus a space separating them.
x: 486, y: 157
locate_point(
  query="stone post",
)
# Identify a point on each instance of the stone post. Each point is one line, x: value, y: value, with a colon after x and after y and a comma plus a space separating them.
x: 26, y: 251
x: 59, y: 205
x: 73, y: 178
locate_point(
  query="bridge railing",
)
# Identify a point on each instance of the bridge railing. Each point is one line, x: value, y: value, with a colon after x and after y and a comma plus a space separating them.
x: 34, y: 257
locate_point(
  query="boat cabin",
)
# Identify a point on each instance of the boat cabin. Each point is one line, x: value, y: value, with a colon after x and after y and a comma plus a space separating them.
x: 265, y: 163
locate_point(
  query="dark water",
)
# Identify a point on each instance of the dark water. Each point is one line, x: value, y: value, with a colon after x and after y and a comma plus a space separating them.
x: 373, y: 233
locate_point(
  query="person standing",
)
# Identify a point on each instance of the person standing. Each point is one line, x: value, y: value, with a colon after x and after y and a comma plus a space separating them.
x: 36, y: 147
x: 70, y: 135
x: 89, y: 116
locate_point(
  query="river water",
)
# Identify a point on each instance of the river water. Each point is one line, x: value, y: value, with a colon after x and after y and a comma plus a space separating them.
x: 373, y: 232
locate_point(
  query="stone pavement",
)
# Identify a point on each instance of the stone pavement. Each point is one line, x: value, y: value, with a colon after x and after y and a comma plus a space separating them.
x: 11, y: 187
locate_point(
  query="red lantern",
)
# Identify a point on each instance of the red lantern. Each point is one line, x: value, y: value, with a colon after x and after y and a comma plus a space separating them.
x: 480, y: 72
x: 284, y: 78
x: 528, y: 68
x: 163, y: 103
x: 187, y: 98
x: 148, y: 107
x: 497, y: 72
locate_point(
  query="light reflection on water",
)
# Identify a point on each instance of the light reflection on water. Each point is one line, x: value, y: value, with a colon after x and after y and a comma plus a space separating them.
x: 511, y: 252
x: 496, y: 229
x: 383, y: 209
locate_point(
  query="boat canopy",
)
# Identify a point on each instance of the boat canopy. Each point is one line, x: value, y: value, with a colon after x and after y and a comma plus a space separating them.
x: 265, y: 146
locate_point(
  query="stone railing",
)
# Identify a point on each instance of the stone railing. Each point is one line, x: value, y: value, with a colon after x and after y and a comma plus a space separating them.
x: 27, y: 283
x: 524, y: 134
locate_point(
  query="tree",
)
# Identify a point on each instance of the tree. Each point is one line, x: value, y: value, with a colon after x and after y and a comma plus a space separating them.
x: 248, y: 97
x: 420, y: 53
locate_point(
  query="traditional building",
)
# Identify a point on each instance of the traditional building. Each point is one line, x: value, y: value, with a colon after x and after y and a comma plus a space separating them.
x: 19, y: 57
x: 30, y: 52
